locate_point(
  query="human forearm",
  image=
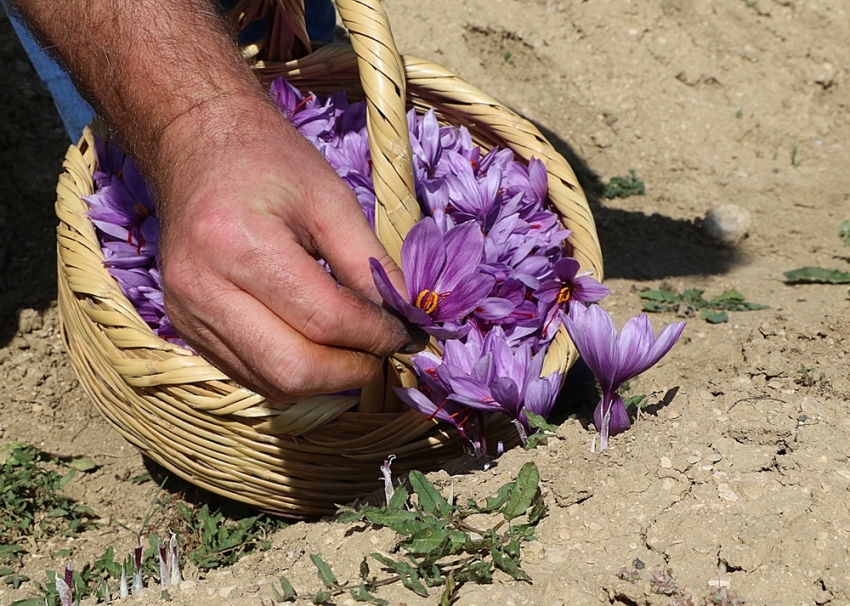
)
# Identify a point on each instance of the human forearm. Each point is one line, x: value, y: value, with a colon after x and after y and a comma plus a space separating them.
x: 245, y: 203
x: 147, y: 64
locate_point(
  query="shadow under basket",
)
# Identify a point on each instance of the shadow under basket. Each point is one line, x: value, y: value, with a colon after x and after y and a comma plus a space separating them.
x: 298, y: 460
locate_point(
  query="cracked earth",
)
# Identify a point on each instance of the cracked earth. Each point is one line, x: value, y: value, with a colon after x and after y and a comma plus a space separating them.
x: 736, y: 477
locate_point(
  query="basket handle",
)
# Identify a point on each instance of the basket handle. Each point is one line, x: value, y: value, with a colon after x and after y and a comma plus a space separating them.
x: 382, y: 78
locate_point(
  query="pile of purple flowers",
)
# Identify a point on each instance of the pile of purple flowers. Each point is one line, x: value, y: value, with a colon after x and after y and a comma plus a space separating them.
x: 122, y: 210
x: 487, y: 268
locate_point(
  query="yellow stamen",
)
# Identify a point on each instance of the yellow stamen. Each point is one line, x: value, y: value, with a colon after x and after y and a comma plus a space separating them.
x: 427, y: 301
x: 564, y: 295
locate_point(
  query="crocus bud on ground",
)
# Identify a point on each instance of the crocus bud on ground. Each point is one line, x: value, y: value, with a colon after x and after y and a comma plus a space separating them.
x: 614, y: 359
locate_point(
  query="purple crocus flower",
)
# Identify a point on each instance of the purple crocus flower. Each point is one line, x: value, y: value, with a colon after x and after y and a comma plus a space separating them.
x: 174, y: 560
x: 442, y: 282
x: 570, y: 285
x: 567, y: 285
x: 138, y: 583
x: 482, y: 374
x: 494, y: 377
x: 432, y: 400
x: 518, y: 385
x: 163, y: 564
x: 614, y: 359
x: 425, y: 143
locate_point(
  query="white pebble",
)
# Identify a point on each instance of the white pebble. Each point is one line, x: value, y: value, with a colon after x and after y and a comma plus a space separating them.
x: 728, y: 224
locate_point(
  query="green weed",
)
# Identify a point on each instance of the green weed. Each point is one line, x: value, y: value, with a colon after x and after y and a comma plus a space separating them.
x: 213, y: 541
x: 623, y: 187
x: 690, y: 301
x: 441, y: 550
x: 816, y: 275
x: 31, y: 501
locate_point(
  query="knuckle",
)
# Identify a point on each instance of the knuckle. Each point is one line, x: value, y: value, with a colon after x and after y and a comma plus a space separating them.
x: 299, y: 374
x: 321, y: 324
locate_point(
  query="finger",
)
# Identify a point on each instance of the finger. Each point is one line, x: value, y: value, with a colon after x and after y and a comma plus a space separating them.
x: 342, y: 237
x: 274, y: 268
x: 248, y: 342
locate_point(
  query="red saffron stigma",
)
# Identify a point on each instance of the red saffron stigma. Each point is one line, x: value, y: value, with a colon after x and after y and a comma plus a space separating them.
x: 302, y: 103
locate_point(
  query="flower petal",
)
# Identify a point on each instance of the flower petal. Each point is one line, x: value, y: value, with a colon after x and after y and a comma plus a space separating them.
x: 464, y: 298
x: 464, y: 246
x: 595, y: 336
x: 423, y: 256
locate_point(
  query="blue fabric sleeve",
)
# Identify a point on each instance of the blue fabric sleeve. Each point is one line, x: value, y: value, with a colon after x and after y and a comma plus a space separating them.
x: 76, y: 113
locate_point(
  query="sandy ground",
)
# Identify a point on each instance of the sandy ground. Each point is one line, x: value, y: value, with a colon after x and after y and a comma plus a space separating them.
x: 743, y: 479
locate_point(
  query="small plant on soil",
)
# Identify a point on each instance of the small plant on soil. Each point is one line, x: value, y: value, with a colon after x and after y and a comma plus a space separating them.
x: 662, y: 582
x: 822, y: 275
x: 442, y: 549
x: 689, y: 301
x: 723, y: 597
x: 108, y: 578
x: 623, y: 187
x: 807, y: 377
x: 210, y: 539
x: 31, y: 499
x: 213, y: 541
x: 816, y: 275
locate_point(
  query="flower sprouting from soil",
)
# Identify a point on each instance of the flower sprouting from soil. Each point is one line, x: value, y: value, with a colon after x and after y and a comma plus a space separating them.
x: 614, y: 359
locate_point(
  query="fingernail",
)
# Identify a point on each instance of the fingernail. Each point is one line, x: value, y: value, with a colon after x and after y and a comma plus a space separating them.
x: 418, y: 341
x: 412, y: 348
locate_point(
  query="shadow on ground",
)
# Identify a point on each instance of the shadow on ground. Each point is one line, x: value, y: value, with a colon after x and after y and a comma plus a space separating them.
x: 637, y: 246
x: 32, y: 145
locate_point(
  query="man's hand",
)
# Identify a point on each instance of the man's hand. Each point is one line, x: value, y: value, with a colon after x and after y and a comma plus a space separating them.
x: 246, y: 204
x: 242, y: 226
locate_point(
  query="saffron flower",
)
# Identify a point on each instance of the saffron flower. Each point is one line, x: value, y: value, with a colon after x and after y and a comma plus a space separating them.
x: 614, y: 359
x: 442, y: 282
x: 569, y: 285
x: 482, y: 374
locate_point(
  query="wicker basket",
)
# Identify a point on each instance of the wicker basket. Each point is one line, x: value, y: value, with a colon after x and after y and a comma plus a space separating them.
x: 300, y: 459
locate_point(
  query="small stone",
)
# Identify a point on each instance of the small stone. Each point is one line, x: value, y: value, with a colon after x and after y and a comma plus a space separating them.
x: 753, y: 491
x: 728, y: 224
x: 226, y: 591
x: 724, y: 492
x: 188, y: 586
x: 666, y: 463
x: 813, y: 408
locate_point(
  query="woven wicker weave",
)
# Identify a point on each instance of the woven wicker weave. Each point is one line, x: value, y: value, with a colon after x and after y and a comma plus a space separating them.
x: 296, y: 459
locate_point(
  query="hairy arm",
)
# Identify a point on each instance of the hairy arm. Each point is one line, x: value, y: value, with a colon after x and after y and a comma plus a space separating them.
x: 245, y: 202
